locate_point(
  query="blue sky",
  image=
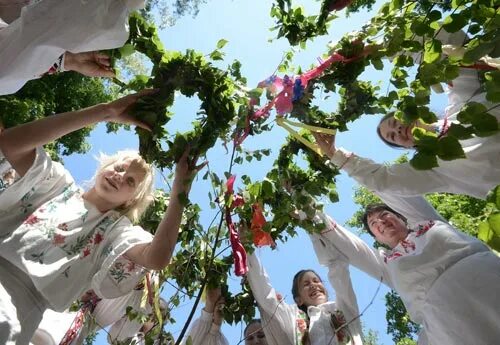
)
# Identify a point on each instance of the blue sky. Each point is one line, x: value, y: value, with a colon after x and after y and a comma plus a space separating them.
x: 245, y: 25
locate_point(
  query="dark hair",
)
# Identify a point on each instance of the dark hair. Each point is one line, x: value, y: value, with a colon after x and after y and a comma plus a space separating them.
x: 377, y: 208
x: 393, y: 145
x: 295, y: 285
x: 249, y: 324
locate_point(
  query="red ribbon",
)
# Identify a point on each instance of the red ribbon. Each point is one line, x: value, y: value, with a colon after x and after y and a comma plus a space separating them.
x: 260, y: 237
x: 79, y: 320
x: 239, y: 253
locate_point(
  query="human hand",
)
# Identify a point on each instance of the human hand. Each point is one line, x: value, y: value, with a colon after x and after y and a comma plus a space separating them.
x: 118, y: 111
x: 90, y: 64
x: 326, y: 143
x: 185, y: 171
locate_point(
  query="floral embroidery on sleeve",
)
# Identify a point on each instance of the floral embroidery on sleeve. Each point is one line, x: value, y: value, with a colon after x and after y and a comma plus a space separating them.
x: 122, y: 269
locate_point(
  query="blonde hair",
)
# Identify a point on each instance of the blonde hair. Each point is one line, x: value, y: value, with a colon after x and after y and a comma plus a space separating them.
x: 144, y: 191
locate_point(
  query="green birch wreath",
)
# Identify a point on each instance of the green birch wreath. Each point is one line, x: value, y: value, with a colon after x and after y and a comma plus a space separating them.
x: 190, y: 74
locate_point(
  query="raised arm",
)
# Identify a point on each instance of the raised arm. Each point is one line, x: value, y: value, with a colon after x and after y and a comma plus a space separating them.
x: 156, y: 255
x: 397, y: 179
x: 206, y: 329
x: 32, y: 43
x: 262, y: 290
x: 18, y: 143
x: 336, y: 244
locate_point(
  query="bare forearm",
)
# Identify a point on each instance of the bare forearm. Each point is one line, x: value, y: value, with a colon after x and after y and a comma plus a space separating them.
x: 18, y: 143
x: 160, y: 251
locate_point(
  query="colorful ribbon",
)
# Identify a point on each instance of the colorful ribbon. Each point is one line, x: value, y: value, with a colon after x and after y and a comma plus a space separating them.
x: 239, y: 253
x: 77, y: 324
x: 286, y: 124
x: 260, y: 237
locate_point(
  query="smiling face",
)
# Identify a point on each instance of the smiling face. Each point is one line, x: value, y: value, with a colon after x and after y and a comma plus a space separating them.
x: 395, y: 132
x: 254, y: 335
x: 387, y: 227
x: 311, y: 290
x: 117, y: 183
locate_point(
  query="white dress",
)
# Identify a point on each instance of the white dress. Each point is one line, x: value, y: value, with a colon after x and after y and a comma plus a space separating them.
x: 475, y: 175
x: 54, y: 247
x: 46, y: 29
x: 447, y: 280
x: 282, y: 321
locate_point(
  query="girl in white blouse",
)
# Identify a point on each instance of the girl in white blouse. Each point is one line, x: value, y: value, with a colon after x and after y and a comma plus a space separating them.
x: 313, y: 319
x: 447, y: 280
x: 58, y: 241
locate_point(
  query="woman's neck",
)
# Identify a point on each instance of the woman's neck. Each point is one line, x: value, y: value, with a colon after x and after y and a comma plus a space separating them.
x: 101, y: 204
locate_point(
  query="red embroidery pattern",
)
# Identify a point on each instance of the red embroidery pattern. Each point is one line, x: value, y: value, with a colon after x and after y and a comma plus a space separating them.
x: 393, y: 256
x: 423, y: 228
x: 408, y: 245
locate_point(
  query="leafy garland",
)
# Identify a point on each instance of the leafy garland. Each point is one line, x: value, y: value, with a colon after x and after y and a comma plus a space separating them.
x: 175, y: 71
x: 190, y: 74
x: 292, y: 23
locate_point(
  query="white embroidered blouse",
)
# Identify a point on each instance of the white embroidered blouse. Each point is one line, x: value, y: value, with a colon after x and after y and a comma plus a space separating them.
x: 63, y: 243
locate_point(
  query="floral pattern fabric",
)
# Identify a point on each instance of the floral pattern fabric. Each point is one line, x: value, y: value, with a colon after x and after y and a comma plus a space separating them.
x: 63, y: 243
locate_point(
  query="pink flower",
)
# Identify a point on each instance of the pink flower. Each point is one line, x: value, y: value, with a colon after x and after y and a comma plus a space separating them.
x: 86, y: 252
x: 58, y: 239
x: 32, y: 220
x: 98, y: 238
x: 130, y: 266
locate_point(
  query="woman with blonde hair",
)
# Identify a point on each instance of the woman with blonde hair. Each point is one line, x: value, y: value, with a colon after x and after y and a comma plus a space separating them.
x: 58, y: 241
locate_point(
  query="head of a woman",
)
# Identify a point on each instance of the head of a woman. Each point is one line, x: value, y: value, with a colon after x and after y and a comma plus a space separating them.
x: 125, y: 181
x: 308, y: 289
x: 386, y: 225
x: 253, y: 333
x: 395, y: 133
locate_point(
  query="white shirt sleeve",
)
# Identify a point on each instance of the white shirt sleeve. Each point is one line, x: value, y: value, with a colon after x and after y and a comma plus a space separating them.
x: 45, y: 30
x: 205, y: 332
x: 397, y: 179
x: 278, y: 311
x: 414, y: 208
x: 336, y: 244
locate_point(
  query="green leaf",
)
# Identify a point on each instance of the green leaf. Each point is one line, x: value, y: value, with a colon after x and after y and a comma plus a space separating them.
x: 221, y: 43
x: 494, y: 196
x: 485, y: 233
x: 460, y: 132
x: 432, y: 51
x: 454, y: 22
x: 492, y: 85
x: 189, y: 340
x: 377, y: 64
x: 216, y: 55
x: 485, y: 124
x: 494, y: 223
x: 469, y: 111
x: 478, y: 51
x: 126, y: 50
x: 450, y: 149
x: 434, y: 15
x: 424, y: 161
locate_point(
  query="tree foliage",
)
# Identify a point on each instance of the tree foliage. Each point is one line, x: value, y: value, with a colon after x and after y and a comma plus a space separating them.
x: 54, y: 94
x: 230, y: 111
